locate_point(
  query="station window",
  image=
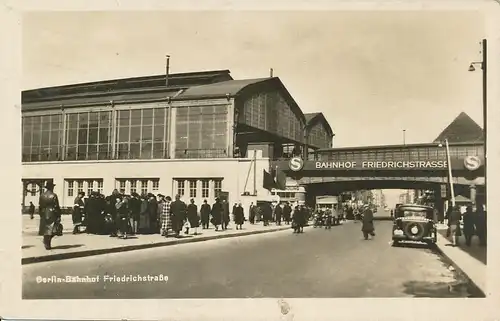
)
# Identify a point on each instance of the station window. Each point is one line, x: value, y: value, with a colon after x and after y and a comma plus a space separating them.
x: 192, y: 188
x: 156, y: 185
x: 71, y: 188
x: 80, y: 186
x: 205, y: 188
x: 192, y: 184
x: 144, y: 187
x: 122, y: 185
x: 217, y: 186
x: 180, y: 187
x: 83, y: 185
x: 33, y: 189
x: 132, y: 185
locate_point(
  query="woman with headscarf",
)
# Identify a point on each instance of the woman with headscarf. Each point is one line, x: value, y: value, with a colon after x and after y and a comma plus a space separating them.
x: 239, y: 216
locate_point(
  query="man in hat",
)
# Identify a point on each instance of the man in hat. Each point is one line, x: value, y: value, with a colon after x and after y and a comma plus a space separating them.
x: 205, y: 214
x: 50, y: 214
x: 217, y: 210
x: 153, y: 214
x: 178, y: 209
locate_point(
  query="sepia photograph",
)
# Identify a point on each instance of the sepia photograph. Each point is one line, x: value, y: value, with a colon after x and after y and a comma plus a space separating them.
x: 253, y: 154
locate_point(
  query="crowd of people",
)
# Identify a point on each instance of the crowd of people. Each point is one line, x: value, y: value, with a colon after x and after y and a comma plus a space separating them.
x: 119, y: 215
x: 474, y: 224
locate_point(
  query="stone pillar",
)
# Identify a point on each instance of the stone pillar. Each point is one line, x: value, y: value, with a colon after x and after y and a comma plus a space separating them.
x: 300, y: 195
x: 472, y: 189
x: 440, y: 204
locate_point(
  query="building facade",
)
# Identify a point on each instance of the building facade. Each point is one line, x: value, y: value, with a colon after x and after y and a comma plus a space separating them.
x: 193, y: 134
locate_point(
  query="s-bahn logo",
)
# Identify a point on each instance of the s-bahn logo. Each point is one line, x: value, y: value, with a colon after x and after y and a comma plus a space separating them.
x: 296, y: 164
x: 472, y: 163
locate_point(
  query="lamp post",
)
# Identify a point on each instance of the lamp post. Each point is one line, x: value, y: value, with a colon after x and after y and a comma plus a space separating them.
x: 483, y: 66
x: 404, y: 136
x: 450, y: 176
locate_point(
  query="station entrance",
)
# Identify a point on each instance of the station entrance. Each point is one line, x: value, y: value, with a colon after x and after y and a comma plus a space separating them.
x: 417, y: 167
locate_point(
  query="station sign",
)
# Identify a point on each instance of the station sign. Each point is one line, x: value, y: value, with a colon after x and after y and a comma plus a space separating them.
x: 472, y: 163
x: 297, y: 164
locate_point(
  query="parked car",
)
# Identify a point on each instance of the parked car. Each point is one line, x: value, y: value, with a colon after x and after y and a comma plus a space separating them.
x: 416, y: 223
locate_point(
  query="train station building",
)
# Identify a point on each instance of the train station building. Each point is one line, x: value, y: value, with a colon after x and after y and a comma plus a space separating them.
x: 196, y: 134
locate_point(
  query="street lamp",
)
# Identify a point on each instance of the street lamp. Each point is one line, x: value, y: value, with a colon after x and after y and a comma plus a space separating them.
x: 483, y: 66
x: 450, y: 176
x: 404, y: 136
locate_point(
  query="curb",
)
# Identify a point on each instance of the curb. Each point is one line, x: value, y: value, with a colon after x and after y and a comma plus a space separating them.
x: 476, y: 289
x: 72, y: 255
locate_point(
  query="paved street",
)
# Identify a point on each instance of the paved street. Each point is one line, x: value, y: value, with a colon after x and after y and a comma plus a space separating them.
x: 318, y: 263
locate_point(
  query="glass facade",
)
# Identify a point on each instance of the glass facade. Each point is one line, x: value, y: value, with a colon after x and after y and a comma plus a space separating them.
x: 201, y: 132
x: 142, y: 133
x: 42, y: 138
x: 88, y: 136
x: 402, y: 154
x: 269, y: 111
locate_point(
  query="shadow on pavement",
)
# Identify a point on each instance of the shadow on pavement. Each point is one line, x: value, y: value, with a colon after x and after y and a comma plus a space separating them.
x: 26, y: 246
x: 64, y: 247
x: 476, y: 251
x: 409, y: 245
x: 424, y: 289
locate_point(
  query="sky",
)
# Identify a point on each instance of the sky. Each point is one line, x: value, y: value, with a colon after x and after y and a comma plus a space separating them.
x: 372, y: 74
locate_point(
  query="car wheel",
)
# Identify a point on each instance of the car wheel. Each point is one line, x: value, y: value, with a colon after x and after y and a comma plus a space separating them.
x: 414, y: 231
x: 395, y: 243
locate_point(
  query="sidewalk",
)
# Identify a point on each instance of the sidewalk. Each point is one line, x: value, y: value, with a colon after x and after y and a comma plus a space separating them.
x: 469, y: 260
x: 81, y: 245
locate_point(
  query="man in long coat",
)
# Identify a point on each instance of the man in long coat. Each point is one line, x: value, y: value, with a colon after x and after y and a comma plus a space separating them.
x: 178, y: 209
x: 225, y: 214
x: 367, y: 227
x: 205, y: 214
x: 278, y: 213
x: 287, y: 212
x: 267, y: 213
x: 153, y: 214
x: 50, y: 213
x: 239, y: 217
x: 192, y: 216
x: 251, y: 213
x: 217, y: 210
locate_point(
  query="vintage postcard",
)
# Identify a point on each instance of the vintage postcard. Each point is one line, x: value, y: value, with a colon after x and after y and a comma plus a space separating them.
x: 263, y: 156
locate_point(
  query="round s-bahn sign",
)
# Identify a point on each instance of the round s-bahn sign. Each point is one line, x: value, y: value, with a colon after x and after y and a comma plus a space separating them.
x: 472, y: 162
x: 296, y: 164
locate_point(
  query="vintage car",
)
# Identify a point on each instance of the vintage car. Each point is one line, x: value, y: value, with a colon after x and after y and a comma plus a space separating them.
x: 416, y: 223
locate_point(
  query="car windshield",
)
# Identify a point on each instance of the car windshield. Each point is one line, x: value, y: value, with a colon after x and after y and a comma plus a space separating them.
x: 415, y: 212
